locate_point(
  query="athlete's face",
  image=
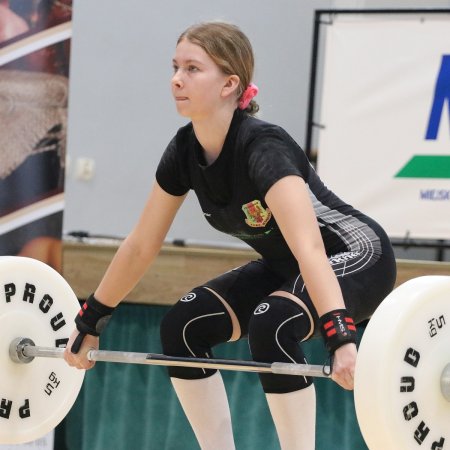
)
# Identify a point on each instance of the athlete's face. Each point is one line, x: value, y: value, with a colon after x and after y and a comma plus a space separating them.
x: 197, y: 83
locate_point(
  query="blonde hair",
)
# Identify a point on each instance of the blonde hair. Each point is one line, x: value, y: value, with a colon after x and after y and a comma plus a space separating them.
x: 229, y: 48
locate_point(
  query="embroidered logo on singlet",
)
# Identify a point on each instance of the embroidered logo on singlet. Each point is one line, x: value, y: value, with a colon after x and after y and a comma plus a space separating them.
x: 256, y: 214
x: 189, y: 297
x: 262, y: 308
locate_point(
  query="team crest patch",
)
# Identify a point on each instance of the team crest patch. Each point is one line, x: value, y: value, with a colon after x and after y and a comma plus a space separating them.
x: 256, y: 215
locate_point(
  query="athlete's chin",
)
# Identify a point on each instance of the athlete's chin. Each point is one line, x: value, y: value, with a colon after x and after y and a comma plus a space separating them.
x: 182, y: 109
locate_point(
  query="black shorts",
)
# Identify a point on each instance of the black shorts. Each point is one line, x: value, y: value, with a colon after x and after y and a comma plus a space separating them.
x: 363, y: 288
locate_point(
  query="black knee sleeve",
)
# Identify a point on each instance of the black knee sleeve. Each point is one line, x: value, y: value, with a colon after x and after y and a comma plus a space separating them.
x: 277, y: 326
x: 192, y: 327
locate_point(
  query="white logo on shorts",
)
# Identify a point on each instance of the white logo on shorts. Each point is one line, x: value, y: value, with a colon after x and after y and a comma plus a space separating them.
x: 189, y: 297
x: 262, y: 308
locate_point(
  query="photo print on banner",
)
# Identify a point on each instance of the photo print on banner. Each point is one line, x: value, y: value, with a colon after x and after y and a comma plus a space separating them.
x: 34, y: 71
x: 35, y: 38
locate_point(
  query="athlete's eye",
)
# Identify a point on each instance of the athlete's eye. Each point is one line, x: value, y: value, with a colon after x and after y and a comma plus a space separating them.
x: 193, y: 68
x: 175, y: 68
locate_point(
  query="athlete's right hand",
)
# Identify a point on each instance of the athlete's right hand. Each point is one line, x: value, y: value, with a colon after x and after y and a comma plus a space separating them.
x: 344, y: 361
x: 79, y: 359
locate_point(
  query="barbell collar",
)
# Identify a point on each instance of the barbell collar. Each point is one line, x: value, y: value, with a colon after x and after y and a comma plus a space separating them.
x: 445, y: 382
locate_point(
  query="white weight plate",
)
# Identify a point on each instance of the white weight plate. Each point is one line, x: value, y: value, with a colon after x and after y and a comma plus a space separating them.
x: 403, y: 352
x: 34, y: 397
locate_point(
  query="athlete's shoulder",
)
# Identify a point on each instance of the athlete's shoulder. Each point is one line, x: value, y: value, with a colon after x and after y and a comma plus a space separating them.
x: 171, y: 172
x: 256, y: 124
x: 254, y: 128
x: 184, y: 133
x: 258, y: 135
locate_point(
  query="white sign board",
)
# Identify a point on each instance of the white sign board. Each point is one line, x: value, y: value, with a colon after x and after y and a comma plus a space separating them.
x: 385, y: 109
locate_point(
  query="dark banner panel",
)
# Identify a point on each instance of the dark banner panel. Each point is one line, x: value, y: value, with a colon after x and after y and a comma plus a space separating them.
x: 34, y: 71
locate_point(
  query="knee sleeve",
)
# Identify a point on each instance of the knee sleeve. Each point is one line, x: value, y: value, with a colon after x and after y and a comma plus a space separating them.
x: 192, y: 327
x: 277, y: 326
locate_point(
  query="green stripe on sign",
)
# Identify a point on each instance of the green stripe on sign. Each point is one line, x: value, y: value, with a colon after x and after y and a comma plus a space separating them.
x: 424, y: 166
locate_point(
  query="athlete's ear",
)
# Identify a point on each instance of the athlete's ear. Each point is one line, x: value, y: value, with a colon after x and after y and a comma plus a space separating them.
x: 231, y: 85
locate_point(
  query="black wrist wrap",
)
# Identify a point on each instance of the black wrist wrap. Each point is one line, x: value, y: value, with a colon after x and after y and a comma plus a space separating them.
x: 337, y: 329
x: 92, y: 319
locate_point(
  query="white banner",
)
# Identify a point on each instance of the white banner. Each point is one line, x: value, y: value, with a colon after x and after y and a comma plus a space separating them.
x: 385, y: 108
x: 44, y: 443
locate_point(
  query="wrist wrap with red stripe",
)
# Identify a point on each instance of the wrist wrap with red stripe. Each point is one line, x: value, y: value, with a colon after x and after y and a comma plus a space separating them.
x: 337, y: 329
x: 91, y: 319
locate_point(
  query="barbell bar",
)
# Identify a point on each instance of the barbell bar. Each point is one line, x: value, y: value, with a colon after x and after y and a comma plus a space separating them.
x: 23, y: 350
x: 402, y: 376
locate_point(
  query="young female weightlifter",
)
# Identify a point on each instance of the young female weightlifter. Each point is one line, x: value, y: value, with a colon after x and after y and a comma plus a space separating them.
x: 324, y: 265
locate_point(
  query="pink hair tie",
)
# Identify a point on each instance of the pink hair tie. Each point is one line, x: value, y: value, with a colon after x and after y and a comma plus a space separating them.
x: 248, y: 94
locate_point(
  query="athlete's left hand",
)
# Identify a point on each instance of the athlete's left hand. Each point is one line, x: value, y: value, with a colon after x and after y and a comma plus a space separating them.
x: 344, y: 366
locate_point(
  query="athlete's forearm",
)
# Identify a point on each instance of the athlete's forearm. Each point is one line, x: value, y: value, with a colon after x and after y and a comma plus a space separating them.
x: 321, y: 282
x: 140, y: 248
x: 124, y: 272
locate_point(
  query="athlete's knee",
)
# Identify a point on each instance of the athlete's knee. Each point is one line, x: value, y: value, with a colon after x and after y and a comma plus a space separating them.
x: 277, y: 326
x: 196, y: 323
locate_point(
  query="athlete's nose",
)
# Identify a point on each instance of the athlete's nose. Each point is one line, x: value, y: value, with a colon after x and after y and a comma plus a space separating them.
x: 177, y: 79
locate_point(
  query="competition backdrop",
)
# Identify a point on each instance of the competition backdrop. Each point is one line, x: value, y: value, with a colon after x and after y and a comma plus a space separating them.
x: 384, y: 114
x: 34, y: 70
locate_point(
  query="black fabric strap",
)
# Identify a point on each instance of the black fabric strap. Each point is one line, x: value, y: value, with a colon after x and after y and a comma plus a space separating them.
x: 91, y: 319
x: 337, y: 329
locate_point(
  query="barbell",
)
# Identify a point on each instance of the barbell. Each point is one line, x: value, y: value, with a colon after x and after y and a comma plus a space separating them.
x: 402, y: 375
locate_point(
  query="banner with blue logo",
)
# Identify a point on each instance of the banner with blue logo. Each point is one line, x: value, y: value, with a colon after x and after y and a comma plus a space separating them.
x: 385, y: 110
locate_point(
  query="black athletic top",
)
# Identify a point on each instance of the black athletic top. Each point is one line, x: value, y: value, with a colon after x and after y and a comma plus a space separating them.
x: 232, y: 189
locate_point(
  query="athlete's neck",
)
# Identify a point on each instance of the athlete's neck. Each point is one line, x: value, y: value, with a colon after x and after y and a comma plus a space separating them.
x: 211, y: 134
